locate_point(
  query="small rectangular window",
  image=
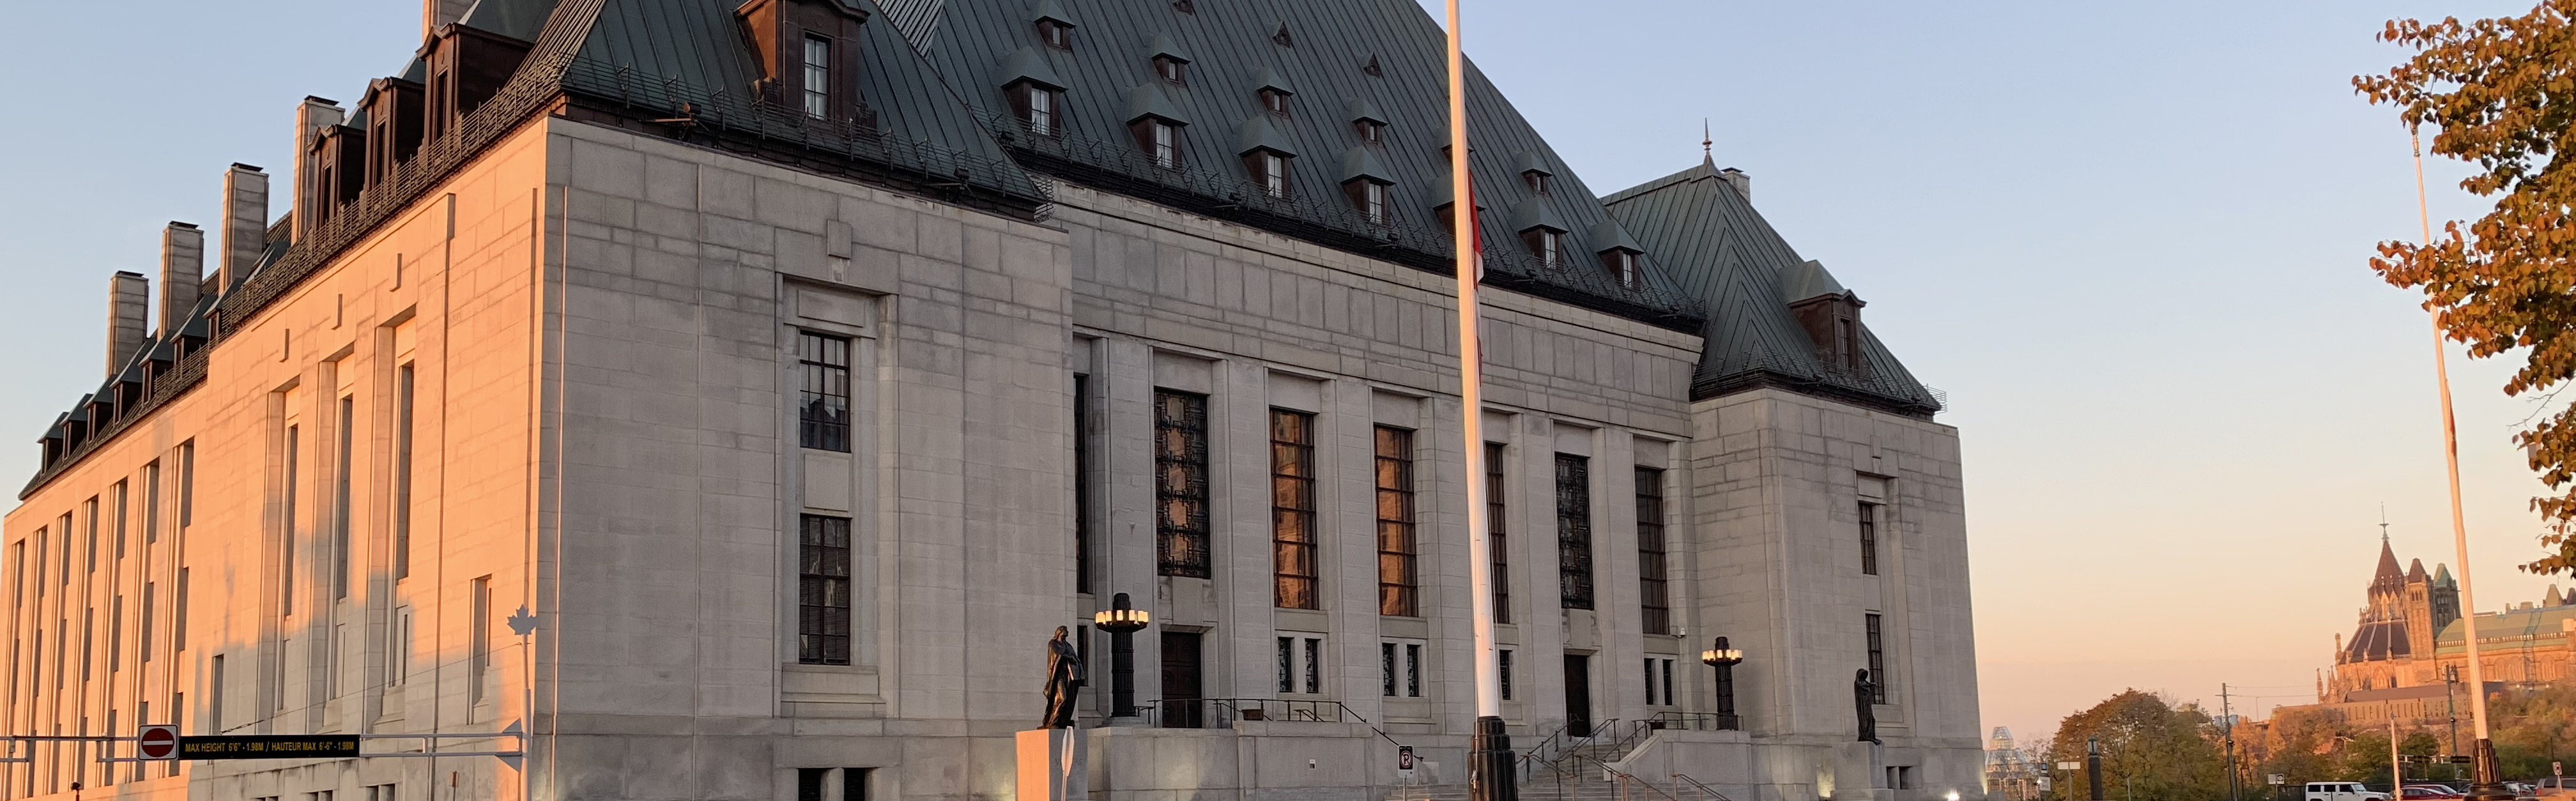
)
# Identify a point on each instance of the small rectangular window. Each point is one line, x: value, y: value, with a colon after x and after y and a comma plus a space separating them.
x: 1287, y: 664
x: 1301, y: 668
x: 1037, y: 106
x: 818, y: 77
x: 1370, y: 131
x: 1167, y: 146
x: 215, y: 695
x: 1082, y: 483
x: 1621, y: 265
x: 1055, y: 34
x: 179, y: 614
x: 1314, y: 664
x: 823, y: 406
x: 117, y: 500
x: 1547, y: 245
x: 143, y: 631
x: 1503, y: 666
x: 1169, y: 69
x: 1274, y: 101
x: 152, y: 503
x: 823, y: 595
x: 1412, y: 670
x: 187, y: 482
x: 809, y: 783
x: 854, y: 784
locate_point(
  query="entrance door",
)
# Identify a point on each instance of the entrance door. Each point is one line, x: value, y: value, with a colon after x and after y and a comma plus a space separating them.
x: 1181, y: 700
x: 1578, y: 696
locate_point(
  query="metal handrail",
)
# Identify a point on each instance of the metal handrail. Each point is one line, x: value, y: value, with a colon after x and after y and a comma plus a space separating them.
x: 1705, y: 791
x: 1690, y: 721
x: 1228, y: 710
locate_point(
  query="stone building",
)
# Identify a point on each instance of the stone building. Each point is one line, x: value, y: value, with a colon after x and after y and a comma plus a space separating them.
x: 733, y: 396
x: 2411, y: 637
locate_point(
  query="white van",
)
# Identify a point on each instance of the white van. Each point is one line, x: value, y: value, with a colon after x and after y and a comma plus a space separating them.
x: 2341, y: 791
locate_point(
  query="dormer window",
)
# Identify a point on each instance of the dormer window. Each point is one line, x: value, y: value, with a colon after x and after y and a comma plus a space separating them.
x: 1847, y: 342
x: 1547, y: 244
x: 1621, y: 264
x: 1536, y: 180
x: 1160, y: 139
x: 1369, y: 197
x: 1055, y: 33
x: 1274, y: 101
x: 1370, y: 131
x: 818, y: 76
x: 1169, y: 69
x: 1269, y: 169
x: 1036, y: 105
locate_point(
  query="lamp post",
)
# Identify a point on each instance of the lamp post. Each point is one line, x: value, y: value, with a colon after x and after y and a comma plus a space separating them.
x: 1122, y: 621
x: 1724, y: 659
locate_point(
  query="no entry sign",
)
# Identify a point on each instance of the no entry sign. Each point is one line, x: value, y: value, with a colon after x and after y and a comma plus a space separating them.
x: 158, y: 742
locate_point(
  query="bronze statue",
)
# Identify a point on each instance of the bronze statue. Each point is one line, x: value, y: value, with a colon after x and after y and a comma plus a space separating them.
x: 1865, y: 694
x: 1065, y: 677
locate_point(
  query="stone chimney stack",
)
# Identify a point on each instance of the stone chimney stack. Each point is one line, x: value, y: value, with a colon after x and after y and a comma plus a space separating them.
x: 183, y: 270
x: 245, y: 224
x: 1736, y: 178
x: 129, y: 317
x: 435, y: 13
x: 313, y: 115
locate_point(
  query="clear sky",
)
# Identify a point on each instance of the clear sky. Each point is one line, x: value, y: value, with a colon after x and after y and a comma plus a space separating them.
x: 2128, y: 239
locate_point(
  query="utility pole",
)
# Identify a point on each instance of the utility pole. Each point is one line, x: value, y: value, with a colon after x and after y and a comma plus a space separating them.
x: 2227, y: 713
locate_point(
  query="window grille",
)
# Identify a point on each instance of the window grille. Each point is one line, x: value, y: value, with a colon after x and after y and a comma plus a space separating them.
x: 818, y: 77
x: 1574, y: 531
x: 1877, y: 659
x: 823, y: 405
x: 1497, y: 532
x: 1292, y: 508
x: 1398, y: 586
x: 823, y: 596
x: 1180, y: 484
x: 1869, y: 538
x: 1654, y: 595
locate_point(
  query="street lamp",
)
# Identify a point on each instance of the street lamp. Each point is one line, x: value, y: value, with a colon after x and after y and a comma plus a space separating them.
x: 1122, y: 621
x: 1724, y: 659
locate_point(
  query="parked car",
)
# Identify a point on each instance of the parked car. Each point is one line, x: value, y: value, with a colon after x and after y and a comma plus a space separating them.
x: 2553, y: 786
x: 2341, y: 791
x: 2428, y: 792
x: 2522, y: 790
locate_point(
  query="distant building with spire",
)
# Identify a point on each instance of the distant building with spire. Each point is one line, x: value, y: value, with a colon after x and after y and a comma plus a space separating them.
x: 2410, y: 645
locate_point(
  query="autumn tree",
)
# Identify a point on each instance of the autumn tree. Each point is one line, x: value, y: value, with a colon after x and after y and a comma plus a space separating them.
x: 2151, y: 749
x: 2500, y: 94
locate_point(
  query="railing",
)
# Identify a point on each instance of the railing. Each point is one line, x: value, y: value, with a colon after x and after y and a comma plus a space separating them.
x: 1693, y: 721
x: 1220, y: 713
x: 1698, y: 791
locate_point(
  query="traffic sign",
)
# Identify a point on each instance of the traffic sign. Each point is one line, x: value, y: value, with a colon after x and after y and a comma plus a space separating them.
x: 158, y: 742
x: 270, y: 746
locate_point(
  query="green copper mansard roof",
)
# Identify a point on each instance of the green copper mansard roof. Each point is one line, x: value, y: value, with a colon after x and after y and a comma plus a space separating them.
x: 1342, y: 60
x: 1721, y: 252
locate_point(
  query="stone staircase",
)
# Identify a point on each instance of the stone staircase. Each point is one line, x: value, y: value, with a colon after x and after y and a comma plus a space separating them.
x: 1577, y: 776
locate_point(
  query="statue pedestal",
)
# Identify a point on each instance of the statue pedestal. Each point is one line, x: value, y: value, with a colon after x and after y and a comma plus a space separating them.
x: 1053, y: 766
x: 1860, y: 772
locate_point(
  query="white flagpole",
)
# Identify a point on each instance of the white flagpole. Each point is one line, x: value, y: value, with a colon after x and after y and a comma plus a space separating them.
x: 1490, y: 761
x: 2486, y: 783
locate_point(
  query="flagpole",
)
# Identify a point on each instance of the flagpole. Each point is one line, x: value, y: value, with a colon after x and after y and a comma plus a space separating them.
x: 2486, y: 782
x: 1489, y: 761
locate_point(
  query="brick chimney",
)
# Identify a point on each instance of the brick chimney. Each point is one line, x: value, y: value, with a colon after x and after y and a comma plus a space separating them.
x: 183, y: 270
x: 129, y: 317
x: 435, y: 13
x: 245, y: 224
x: 311, y: 116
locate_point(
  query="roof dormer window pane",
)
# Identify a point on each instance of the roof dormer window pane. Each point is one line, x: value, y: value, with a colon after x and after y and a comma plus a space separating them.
x: 1269, y: 169
x: 1370, y: 131
x: 1274, y: 101
x: 1548, y: 245
x: 1055, y: 34
x: 1160, y: 140
x: 1537, y: 181
x: 1169, y: 69
x: 1369, y: 197
x: 1036, y: 106
x: 1621, y: 264
x: 818, y: 77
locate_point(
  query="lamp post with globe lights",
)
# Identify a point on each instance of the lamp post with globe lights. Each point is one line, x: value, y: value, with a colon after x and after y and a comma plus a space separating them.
x: 1724, y: 659
x: 1122, y: 621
